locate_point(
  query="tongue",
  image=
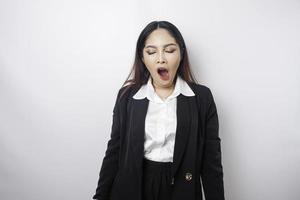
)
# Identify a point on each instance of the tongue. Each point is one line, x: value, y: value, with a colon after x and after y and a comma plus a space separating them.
x: 164, y: 75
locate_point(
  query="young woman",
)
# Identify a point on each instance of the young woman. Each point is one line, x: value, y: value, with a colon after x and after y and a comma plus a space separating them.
x: 164, y: 141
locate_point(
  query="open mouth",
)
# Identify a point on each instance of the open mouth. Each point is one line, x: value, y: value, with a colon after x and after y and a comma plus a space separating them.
x: 163, y: 73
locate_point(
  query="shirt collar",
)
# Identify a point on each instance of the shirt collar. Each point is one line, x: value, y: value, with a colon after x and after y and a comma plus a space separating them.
x: 147, y: 91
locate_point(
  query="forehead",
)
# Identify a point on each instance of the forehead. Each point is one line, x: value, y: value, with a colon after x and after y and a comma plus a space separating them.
x: 160, y: 37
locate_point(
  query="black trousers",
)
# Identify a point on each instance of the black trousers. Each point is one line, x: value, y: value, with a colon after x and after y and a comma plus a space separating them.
x: 156, y: 180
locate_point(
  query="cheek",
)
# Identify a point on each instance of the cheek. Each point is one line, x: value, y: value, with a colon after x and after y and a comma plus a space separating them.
x: 150, y: 65
x: 149, y: 60
x: 174, y: 59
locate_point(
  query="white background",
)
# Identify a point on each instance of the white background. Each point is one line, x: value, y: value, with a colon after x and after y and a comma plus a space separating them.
x: 62, y: 63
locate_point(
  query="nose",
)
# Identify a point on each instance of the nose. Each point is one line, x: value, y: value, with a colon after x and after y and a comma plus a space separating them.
x: 161, y: 58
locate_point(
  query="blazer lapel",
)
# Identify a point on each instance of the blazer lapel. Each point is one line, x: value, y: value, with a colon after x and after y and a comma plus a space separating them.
x: 137, y: 124
x: 182, y: 130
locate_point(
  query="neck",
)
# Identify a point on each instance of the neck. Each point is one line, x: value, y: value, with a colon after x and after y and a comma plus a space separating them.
x: 164, y: 92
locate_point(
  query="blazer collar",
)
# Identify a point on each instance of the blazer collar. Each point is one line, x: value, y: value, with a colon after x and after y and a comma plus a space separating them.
x: 147, y: 91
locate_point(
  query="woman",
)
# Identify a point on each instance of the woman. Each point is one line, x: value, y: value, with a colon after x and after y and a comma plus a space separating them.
x: 164, y: 139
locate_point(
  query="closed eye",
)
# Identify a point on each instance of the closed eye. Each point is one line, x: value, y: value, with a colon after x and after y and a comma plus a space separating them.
x: 150, y: 53
x: 170, y: 51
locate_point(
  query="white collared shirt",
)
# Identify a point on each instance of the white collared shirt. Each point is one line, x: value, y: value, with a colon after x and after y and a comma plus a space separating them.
x: 161, y: 120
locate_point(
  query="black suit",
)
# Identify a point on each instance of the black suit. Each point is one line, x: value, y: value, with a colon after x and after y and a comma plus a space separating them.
x: 197, y: 150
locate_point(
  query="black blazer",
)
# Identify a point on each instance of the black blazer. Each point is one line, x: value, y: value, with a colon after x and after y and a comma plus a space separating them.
x: 197, y: 150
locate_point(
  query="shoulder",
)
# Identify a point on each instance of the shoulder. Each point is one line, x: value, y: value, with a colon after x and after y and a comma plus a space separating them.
x: 202, y: 91
x: 127, y: 91
x: 204, y: 96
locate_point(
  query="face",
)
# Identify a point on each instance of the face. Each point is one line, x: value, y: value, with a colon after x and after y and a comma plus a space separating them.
x: 161, y: 56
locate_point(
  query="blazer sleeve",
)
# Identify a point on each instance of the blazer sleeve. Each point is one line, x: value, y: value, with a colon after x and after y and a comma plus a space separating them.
x: 212, y: 171
x: 110, y: 161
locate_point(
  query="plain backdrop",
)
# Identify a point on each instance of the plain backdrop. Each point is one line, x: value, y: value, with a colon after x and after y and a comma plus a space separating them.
x: 62, y: 63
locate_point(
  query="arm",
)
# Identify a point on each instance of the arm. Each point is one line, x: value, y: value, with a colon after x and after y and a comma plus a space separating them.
x: 212, y: 171
x: 110, y: 161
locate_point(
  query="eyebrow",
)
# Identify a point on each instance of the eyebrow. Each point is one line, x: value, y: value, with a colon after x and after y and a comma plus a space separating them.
x: 153, y: 46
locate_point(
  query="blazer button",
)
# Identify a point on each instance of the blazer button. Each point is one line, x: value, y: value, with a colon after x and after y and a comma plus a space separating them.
x: 172, y: 181
x: 188, y: 176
